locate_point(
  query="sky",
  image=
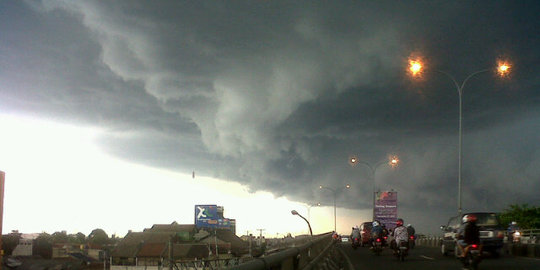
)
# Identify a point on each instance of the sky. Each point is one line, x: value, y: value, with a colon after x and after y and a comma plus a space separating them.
x: 108, y: 107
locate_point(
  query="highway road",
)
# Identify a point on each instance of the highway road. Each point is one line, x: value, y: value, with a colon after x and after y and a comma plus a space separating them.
x: 428, y: 258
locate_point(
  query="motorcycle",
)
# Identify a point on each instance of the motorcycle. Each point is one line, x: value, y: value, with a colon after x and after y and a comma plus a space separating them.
x: 402, y: 250
x: 516, y: 237
x: 377, y: 246
x: 473, y: 257
x: 355, y: 242
x: 412, y: 241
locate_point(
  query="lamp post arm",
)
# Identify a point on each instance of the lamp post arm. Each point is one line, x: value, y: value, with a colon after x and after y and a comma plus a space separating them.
x: 369, y: 166
x: 459, y: 88
x: 309, y: 225
x: 456, y: 84
x: 472, y: 75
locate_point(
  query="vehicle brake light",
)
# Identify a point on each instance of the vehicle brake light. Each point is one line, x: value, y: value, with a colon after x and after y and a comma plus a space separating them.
x: 378, y: 239
x: 474, y: 246
x: 412, y: 237
x: 385, y: 237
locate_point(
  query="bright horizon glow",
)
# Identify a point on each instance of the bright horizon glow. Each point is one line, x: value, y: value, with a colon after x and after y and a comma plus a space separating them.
x: 57, y: 178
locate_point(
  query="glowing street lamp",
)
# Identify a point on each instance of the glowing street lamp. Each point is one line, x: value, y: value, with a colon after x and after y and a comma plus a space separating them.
x: 334, y: 192
x: 415, y: 67
x: 503, y: 69
x: 392, y: 161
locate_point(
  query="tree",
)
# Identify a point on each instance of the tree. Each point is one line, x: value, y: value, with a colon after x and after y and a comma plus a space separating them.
x: 527, y: 217
x: 9, y: 242
x: 59, y: 237
x: 43, y: 245
x: 98, y: 237
x: 78, y: 238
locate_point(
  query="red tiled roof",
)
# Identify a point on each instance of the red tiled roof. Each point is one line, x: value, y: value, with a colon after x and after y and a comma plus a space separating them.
x: 152, y: 250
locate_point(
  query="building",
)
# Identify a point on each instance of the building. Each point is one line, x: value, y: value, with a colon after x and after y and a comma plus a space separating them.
x: 158, y: 245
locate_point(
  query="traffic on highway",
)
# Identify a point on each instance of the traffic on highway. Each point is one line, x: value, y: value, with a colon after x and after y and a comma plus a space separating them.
x: 422, y: 257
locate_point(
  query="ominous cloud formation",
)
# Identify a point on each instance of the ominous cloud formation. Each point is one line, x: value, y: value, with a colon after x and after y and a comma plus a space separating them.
x: 277, y: 95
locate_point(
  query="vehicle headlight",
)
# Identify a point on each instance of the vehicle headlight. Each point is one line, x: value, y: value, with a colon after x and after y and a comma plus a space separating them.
x: 517, y: 233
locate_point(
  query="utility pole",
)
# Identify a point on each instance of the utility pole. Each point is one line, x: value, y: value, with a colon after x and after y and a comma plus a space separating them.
x: 260, y: 236
x: 249, y: 237
x: 171, y: 254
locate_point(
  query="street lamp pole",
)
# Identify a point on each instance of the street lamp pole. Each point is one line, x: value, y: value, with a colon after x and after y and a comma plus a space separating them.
x: 416, y: 68
x: 309, y: 210
x: 294, y: 212
x: 393, y: 162
x: 459, y: 89
x: 334, y: 192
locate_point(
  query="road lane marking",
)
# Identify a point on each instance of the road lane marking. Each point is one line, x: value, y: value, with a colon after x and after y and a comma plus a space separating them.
x: 426, y: 257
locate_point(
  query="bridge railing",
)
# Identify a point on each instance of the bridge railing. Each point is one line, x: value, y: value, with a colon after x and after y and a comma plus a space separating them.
x: 311, y: 255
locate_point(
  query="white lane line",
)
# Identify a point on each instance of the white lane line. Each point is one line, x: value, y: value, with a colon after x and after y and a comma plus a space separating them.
x: 426, y: 257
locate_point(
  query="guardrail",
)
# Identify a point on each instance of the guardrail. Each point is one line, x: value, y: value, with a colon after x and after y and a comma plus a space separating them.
x: 530, y: 236
x: 528, y: 248
x: 318, y: 253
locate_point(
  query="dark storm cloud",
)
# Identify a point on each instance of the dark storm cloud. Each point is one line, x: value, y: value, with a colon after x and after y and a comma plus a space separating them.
x: 278, y: 95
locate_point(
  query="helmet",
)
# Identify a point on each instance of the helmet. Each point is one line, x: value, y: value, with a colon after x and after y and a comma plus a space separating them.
x: 399, y: 222
x: 514, y: 223
x: 375, y: 223
x: 409, y: 225
x: 469, y: 218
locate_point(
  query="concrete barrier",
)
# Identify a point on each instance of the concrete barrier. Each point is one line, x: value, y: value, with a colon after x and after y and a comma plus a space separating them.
x: 518, y: 249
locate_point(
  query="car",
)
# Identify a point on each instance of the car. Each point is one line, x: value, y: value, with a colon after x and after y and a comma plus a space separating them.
x: 365, y: 233
x: 491, y: 233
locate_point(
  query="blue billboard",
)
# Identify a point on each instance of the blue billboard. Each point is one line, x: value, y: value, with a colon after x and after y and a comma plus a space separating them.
x: 209, y: 216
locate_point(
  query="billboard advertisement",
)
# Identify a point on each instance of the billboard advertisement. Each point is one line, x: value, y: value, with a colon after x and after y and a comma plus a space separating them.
x: 206, y: 216
x: 385, y: 208
x: 211, y: 216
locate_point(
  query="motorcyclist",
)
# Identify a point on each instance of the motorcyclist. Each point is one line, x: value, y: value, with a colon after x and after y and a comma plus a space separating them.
x: 410, y: 230
x: 468, y: 234
x: 512, y: 228
x: 355, y: 235
x: 376, y: 231
x: 400, y: 235
x: 412, y: 236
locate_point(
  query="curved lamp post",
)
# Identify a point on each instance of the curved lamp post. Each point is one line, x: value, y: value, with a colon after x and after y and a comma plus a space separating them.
x: 393, y: 161
x: 416, y: 67
x: 294, y: 212
x: 334, y: 192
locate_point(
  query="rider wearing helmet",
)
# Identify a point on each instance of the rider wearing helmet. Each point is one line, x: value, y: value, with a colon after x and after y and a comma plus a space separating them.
x: 410, y: 230
x: 376, y: 230
x: 468, y: 234
x: 400, y: 235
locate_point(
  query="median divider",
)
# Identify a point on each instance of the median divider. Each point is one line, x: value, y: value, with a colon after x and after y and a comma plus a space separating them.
x: 319, y: 253
x: 517, y: 249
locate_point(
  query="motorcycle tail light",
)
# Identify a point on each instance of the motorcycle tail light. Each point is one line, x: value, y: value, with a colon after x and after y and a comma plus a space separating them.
x: 385, y: 237
x: 412, y: 237
x: 474, y: 246
x: 378, y: 239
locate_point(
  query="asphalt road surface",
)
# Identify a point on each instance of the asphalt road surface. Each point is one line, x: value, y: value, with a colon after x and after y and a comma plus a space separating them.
x: 429, y: 258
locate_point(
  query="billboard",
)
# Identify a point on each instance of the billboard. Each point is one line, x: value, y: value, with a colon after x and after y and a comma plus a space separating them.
x: 385, y: 208
x: 206, y: 216
x: 211, y: 216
